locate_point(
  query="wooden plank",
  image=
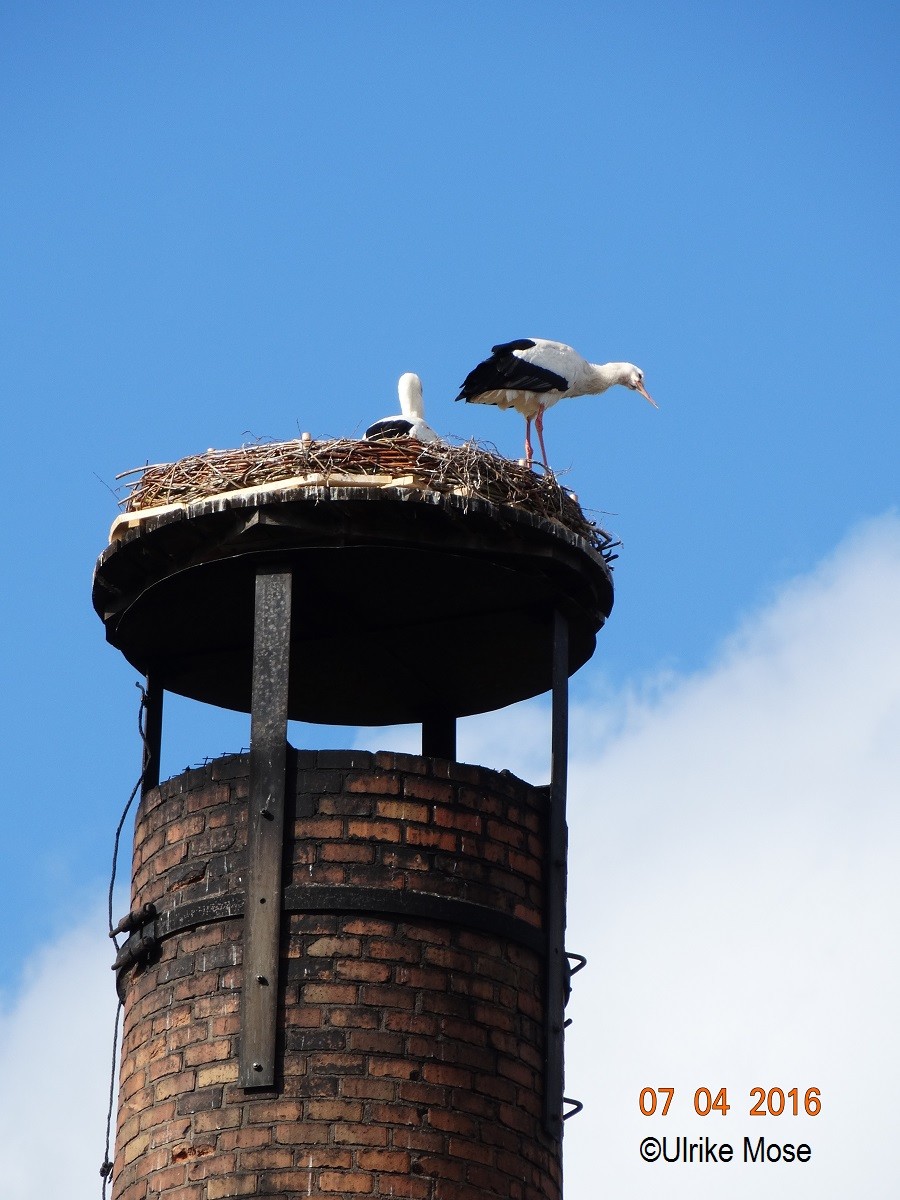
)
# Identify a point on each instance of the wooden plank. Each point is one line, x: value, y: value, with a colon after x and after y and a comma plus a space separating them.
x: 556, y: 965
x: 265, y: 832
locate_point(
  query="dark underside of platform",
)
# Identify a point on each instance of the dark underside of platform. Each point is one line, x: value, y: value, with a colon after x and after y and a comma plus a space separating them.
x: 404, y: 606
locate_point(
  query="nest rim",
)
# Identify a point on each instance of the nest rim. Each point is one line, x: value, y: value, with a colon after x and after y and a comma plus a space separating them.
x: 290, y: 470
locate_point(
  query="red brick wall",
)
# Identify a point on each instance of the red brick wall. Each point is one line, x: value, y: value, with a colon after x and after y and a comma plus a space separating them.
x: 411, y: 1049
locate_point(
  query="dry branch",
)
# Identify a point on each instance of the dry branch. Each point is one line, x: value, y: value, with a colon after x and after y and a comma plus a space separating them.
x: 468, y: 470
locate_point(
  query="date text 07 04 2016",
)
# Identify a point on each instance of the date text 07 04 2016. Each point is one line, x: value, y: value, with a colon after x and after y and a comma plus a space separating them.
x: 771, y: 1102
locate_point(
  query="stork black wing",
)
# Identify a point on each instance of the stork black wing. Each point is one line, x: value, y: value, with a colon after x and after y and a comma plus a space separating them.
x: 389, y: 427
x: 505, y: 370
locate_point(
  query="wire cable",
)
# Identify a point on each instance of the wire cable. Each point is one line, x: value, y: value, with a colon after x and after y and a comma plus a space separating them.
x: 107, y: 1168
x: 134, y: 791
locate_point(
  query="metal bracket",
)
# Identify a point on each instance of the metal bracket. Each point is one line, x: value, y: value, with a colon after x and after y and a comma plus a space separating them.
x: 570, y: 971
x: 131, y: 921
x: 581, y: 963
x: 141, y: 945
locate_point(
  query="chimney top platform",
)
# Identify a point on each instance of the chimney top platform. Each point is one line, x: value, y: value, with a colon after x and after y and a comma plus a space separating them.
x: 408, y: 603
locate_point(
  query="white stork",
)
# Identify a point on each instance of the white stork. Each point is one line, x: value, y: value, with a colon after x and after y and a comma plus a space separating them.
x: 410, y: 422
x: 532, y: 374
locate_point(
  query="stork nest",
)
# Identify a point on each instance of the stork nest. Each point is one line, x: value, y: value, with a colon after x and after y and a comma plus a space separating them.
x: 466, y: 470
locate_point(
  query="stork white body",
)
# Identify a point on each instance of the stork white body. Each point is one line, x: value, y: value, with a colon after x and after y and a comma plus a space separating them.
x: 410, y: 421
x: 532, y: 374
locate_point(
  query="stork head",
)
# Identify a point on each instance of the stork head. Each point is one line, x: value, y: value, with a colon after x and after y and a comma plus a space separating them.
x: 633, y: 377
x: 409, y: 389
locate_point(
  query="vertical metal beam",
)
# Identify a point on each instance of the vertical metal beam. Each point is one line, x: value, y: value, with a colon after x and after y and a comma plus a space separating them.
x: 265, y: 831
x: 152, y: 727
x: 439, y: 737
x: 556, y: 881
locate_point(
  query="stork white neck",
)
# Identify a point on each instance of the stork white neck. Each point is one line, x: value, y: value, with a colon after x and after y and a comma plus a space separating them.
x: 597, y: 377
x: 409, y: 389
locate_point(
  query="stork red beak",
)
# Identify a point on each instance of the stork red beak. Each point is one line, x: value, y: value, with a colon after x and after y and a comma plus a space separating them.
x: 639, y: 387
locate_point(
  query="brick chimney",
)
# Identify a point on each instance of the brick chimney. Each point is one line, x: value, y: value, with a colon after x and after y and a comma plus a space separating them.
x: 410, y: 1048
x: 345, y: 973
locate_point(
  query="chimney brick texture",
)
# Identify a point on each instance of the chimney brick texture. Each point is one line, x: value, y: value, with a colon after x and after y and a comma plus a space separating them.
x: 410, y: 1048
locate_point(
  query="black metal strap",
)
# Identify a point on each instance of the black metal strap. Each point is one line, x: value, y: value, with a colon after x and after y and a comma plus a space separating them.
x: 422, y: 905
x: 322, y: 898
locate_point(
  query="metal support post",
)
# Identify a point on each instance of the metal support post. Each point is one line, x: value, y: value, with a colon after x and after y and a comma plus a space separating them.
x: 439, y: 737
x: 265, y: 833
x: 556, y: 965
x: 152, y: 726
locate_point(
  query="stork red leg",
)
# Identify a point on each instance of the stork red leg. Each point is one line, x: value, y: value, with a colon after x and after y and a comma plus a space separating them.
x: 529, y: 453
x: 539, y: 426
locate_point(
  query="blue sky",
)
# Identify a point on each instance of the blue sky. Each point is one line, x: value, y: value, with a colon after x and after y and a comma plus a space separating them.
x: 228, y: 221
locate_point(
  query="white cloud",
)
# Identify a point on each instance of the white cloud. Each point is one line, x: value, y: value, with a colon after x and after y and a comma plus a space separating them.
x: 733, y: 882
x: 55, y: 1046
